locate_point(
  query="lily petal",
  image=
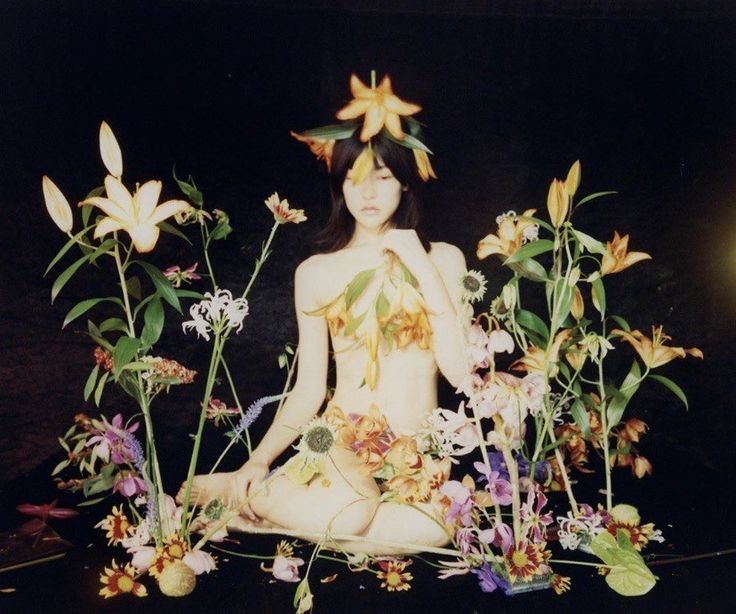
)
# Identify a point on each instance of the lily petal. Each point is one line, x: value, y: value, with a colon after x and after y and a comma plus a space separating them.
x: 167, y: 209
x: 116, y: 191
x: 144, y: 236
x: 146, y: 198
x: 107, y: 225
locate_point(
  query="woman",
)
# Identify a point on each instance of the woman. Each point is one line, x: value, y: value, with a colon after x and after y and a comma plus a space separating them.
x: 386, y: 371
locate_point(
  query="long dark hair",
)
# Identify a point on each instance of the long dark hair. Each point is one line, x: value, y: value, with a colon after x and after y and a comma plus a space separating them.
x: 400, y: 161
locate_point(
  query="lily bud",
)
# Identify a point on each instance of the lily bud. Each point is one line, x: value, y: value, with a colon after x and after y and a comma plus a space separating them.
x: 110, y: 152
x: 578, y: 306
x: 573, y: 179
x: 57, y: 205
x: 509, y: 296
x: 558, y: 201
x: 574, y: 276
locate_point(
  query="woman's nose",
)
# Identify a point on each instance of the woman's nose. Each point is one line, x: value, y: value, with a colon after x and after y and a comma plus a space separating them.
x: 368, y: 189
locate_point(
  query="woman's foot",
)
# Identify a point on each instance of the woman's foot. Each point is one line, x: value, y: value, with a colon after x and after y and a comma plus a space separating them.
x: 205, y: 488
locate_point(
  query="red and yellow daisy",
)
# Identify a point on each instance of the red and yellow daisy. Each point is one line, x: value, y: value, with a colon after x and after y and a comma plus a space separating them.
x: 637, y: 534
x: 560, y: 584
x: 173, y: 549
x: 120, y: 580
x: 523, y: 562
x: 394, y: 577
x: 117, y: 525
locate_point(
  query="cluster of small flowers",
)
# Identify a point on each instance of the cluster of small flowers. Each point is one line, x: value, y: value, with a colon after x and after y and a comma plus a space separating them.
x: 103, y: 359
x: 163, y: 372
x: 530, y: 233
x: 216, y: 312
x: 573, y: 530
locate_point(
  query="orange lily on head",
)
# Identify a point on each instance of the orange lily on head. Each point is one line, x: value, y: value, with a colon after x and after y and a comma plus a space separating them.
x: 653, y: 351
x: 617, y: 257
x: 509, y: 238
x: 321, y: 148
x: 380, y: 106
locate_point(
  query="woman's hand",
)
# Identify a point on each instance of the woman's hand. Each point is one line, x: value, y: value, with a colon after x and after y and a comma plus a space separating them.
x: 407, y: 246
x: 245, y: 484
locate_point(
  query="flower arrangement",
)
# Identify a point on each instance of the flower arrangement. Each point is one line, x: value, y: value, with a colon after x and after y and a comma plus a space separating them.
x: 120, y: 456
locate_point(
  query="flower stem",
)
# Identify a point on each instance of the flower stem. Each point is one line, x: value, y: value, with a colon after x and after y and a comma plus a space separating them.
x: 263, y: 257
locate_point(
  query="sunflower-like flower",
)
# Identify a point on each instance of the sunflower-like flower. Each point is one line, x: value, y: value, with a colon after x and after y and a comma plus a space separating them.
x: 524, y: 561
x: 138, y: 214
x: 119, y: 580
x: 173, y: 549
x: 653, y: 351
x: 318, y: 438
x: 513, y: 232
x: 393, y: 576
x: 473, y: 285
x: 117, y: 525
x: 380, y: 106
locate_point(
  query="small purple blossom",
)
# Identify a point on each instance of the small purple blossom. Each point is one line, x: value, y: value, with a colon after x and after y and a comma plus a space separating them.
x: 535, y: 522
x: 500, y: 535
x: 254, y: 410
x: 489, y: 581
x: 462, y: 502
x: 499, y: 487
x: 129, y: 484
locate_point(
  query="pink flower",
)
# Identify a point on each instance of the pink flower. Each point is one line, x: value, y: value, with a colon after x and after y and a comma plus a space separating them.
x: 499, y: 488
x: 176, y: 275
x: 534, y: 522
x: 199, y: 561
x: 286, y: 569
x: 462, y: 503
x: 128, y: 483
x: 499, y: 535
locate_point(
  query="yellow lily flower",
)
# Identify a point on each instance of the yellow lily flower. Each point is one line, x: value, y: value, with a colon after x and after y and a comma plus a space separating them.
x: 110, y: 152
x: 536, y: 361
x: 57, y: 205
x: 510, y: 236
x: 380, y: 106
x: 653, y: 351
x: 321, y: 148
x: 335, y: 313
x: 424, y: 167
x: 136, y: 214
x: 558, y: 202
x: 617, y: 257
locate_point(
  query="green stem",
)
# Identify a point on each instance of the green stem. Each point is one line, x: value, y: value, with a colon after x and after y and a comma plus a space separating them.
x: 261, y: 260
x: 235, y: 398
x: 205, y: 248
x: 287, y: 384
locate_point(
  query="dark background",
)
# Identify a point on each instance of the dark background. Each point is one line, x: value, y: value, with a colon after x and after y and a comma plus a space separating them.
x: 642, y: 93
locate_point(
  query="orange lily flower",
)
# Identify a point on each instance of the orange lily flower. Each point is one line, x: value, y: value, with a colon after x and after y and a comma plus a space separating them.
x: 653, y: 351
x: 510, y: 236
x: 321, y: 148
x: 423, y: 165
x: 380, y: 106
x: 617, y: 257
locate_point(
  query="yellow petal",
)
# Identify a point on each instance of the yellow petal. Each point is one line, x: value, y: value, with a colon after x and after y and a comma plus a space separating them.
x: 373, y: 122
x: 573, y: 178
x: 110, y: 152
x: 355, y: 108
x: 487, y: 246
x: 107, y: 225
x: 359, y: 89
x: 57, y: 205
x: 394, y: 104
x: 362, y: 166
x: 146, y: 198
x: 144, y: 237
x: 393, y: 125
x: 109, y: 207
x: 167, y: 209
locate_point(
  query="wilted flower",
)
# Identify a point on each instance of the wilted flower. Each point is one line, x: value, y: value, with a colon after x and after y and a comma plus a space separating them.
x: 282, y: 213
x: 217, y: 410
x: 199, y: 561
x: 535, y: 523
x: 176, y: 275
x: 560, y: 584
x: 285, y: 569
x: 321, y: 148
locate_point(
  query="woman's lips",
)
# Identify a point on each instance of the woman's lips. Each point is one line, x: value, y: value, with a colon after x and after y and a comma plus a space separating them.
x: 370, y: 210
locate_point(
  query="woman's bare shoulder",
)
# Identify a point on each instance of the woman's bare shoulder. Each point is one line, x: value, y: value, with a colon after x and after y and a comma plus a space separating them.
x: 447, y: 254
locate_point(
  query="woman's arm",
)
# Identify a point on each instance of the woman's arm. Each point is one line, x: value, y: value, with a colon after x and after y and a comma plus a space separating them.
x: 438, y: 275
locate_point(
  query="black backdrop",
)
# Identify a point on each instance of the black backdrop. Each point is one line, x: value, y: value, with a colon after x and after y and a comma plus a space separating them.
x: 511, y: 94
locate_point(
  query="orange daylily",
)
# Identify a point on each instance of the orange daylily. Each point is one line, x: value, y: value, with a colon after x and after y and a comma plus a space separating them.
x: 380, y: 106
x: 423, y: 165
x: 335, y: 312
x: 321, y: 148
x: 535, y: 360
x: 136, y: 214
x: 510, y: 236
x: 653, y: 351
x: 617, y: 257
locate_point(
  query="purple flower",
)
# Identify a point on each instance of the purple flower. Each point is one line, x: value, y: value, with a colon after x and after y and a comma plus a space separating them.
x: 114, y: 442
x: 499, y: 535
x: 464, y: 538
x: 499, y: 487
x: 462, y: 503
x: 489, y: 581
x: 535, y: 522
x: 129, y: 484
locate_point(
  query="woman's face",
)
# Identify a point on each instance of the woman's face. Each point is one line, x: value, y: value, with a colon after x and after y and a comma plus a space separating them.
x: 374, y: 200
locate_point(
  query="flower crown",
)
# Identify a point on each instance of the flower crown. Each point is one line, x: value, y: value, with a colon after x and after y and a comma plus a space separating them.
x: 383, y: 112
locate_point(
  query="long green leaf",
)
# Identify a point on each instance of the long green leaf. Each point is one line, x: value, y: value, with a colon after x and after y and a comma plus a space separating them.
x: 357, y: 286
x: 166, y: 227
x: 622, y: 323
x: 66, y: 275
x: 124, y: 351
x: 113, y: 324
x: 530, y: 269
x: 589, y: 243
x: 530, y: 250
x: 101, y: 387
x: 533, y: 324
x: 184, y: 293
x: 153, y: 318
x: 353, y: 324
x: 86, y: 305
x: 91, y: 501
x: 672, y: 387
x: 619, y: 402
x: 580, y: 415
x: 590, y: 197
x: 564, y: 296
x: 333, y: 131
x: 67, y: 246
x: 164, y: 287
x: 91, y: 381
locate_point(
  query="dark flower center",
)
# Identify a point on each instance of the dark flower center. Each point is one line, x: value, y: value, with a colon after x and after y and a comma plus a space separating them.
x: 471, y: 284
x: 320, y: 439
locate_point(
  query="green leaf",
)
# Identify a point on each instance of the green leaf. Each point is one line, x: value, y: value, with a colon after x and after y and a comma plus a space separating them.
x: 357, y: 286
x: 221, y: 230
x: 153, y: 318
x: 622, y: 323
x: 62, y: 465
x: 101, y: 387
x: 598, y: 292
x: 136, y: 366
x: 410, y: 142
x: 67, y: 246
x: 91, y: 501
x: 619, y: 402
x: 189, y: 189
x: 133, y: 286
x: 66, y: 275
x: 171, y: 229
x: 564, y: 294
x: 533, y: 324
x: 183, y: 293
x: 594, y: 246
x: 353, y: 324
x: 530, y: 269
x: 530, y: 250
x: 333, y: 131
x: 91, y: 381
x: 589, y: 197
x: 282, y: 361
x: 580, y: 415
x: 124, y: 351
x: 113, y: 324
x: 84, y: 306
x: 672, y: 387
x: 164, y: 287
x: 406, y: 274
x: 382, y: 305
x: 629, y: 575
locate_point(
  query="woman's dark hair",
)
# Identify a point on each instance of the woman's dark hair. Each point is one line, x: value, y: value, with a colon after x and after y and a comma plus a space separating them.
x: 399, y: 160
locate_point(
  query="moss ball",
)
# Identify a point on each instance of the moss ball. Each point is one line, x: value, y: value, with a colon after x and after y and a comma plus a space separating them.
x: 177, y: 580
